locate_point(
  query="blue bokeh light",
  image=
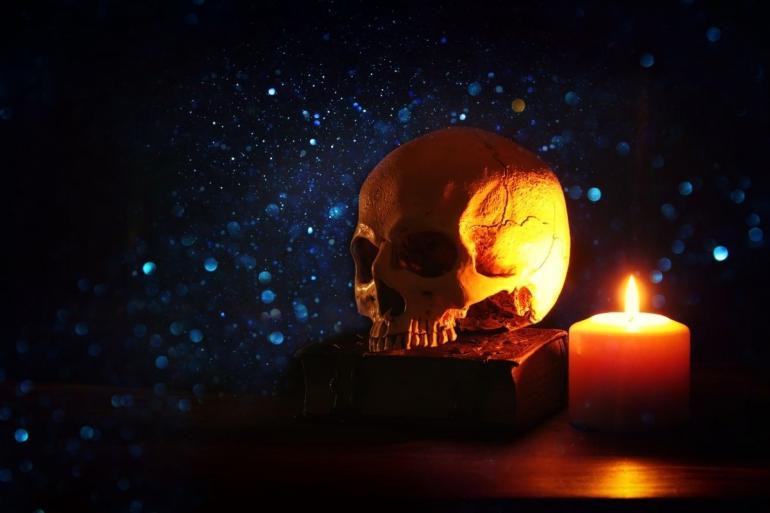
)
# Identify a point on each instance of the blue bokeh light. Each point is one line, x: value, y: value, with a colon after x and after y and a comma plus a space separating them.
x: 594, y: 194
x: 575, y: 192
x: 571, y: 98
x: 276, y: 338
x: 87, y: 432
x: 149, y: 268
x: 272, y: 210
x: 720, y: 253
x: 685, y: 188
x: 669, y: 211
x: 21, y: 435
x: 267, y: 296
x: 210, y: 264
x: 81, y: 329
x: 161, y: 362
x: 337, y: 211
x: 234, y: 228
x: 176, y: 328
x: 184, y: 405
x: 26, y: 386
x: 300, y: 311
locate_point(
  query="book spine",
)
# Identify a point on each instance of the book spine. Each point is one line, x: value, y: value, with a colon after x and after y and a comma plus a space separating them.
x: 541, y: 383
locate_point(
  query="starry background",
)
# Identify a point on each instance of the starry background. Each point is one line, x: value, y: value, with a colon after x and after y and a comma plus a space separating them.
x: 180, y: 186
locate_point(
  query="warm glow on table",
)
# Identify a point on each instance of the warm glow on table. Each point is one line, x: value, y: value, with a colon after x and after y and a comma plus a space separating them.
x: 628, y: 370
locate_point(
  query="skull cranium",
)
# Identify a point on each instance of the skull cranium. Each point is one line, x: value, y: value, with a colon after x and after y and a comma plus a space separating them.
x: 457, y: 226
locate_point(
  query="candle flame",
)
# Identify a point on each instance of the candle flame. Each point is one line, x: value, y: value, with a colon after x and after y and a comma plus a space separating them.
x: 632, y: 299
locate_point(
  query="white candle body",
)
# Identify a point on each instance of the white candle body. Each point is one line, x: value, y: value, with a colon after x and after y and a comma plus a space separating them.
x: 628, y: 375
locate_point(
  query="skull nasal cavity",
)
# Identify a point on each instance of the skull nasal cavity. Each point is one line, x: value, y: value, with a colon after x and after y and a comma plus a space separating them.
x: 364, y: 253
x: 389, y: 300
x: 427, y: 254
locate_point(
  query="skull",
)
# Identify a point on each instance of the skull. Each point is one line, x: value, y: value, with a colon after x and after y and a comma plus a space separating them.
x: 459, y: 226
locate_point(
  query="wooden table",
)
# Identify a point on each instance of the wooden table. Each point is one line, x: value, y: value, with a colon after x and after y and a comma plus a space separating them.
x: 245, y: 447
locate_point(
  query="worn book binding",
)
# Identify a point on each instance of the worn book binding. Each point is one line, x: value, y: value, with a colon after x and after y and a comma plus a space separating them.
x: 509, y: 379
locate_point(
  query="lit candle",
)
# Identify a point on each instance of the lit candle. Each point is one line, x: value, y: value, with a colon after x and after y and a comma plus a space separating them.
x: 628, y: 370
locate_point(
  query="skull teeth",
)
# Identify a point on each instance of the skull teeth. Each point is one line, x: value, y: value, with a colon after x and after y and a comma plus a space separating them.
x: 421, y: 334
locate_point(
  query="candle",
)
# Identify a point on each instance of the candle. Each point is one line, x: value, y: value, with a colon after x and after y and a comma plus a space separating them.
x: 628, y: 370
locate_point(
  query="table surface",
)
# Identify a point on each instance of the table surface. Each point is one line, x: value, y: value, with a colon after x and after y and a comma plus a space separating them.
x: 253, y: 445
x: 726, y: 455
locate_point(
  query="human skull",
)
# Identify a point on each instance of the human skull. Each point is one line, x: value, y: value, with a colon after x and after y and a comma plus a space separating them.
x: 457, y: 226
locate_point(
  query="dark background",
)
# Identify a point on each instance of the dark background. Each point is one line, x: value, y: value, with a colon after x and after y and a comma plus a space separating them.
x: 136, y: 132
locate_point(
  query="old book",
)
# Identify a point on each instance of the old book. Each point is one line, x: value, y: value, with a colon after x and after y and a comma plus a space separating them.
x: 507, y: 379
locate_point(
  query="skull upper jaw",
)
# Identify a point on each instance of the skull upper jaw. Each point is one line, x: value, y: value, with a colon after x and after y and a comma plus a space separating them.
x: 407, y: 284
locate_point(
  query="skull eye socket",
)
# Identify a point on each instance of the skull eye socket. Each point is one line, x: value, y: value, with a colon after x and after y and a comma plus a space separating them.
x: 364, y: 253
x: 426, y: 254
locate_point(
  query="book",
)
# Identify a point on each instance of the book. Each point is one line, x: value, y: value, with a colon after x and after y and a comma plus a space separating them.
x: 510, y: 379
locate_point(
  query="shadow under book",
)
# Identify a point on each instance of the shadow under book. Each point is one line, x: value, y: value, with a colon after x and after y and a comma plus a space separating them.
x: 506, y: 379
